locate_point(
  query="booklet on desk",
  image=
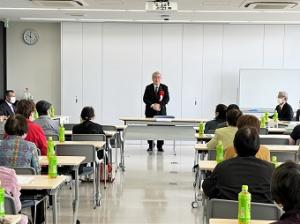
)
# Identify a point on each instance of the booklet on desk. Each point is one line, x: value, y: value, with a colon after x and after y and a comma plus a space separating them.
x: 168, y: 118
x: 24, y: 179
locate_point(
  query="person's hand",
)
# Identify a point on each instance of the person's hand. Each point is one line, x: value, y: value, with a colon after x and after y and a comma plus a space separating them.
x: 156, y: 107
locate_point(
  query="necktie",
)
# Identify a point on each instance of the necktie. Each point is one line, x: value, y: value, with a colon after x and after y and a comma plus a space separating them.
x: 156, y: 89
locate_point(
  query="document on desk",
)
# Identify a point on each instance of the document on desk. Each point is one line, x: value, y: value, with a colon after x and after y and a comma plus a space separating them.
x: 24, y: 179
x: 164, y: 119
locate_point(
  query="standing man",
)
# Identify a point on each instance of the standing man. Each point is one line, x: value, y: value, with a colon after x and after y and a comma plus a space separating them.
x: 156, y: 97
x: 8, y: 108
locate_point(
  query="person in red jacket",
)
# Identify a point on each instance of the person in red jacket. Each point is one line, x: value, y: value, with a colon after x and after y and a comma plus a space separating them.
x: 35, y: 133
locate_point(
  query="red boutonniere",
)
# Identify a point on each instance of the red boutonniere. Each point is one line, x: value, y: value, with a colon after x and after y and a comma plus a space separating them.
x: 161, y: 95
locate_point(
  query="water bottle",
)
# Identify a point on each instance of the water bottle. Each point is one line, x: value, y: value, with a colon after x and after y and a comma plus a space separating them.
x: 35, y: 115
x: 275, y: 118
x: 262, y: 122
x: 52, y: 111
x: 219, y: 152
x: 244, y: 210
x: 274, y: 161
x: 201, y: 129
x: 50, y: 147
x: 52, y: 166
x: 267, y: 118
x: 2, y: 198
x: 61, y: 133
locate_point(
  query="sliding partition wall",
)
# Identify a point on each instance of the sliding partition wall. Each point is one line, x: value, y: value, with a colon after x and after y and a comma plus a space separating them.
x: 2, y: 59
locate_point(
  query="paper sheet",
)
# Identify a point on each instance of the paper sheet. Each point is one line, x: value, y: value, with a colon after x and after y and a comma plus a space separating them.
x: 24, y: 179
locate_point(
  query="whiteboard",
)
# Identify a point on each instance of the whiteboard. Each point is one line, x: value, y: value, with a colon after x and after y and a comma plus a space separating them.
x: 258, y: 88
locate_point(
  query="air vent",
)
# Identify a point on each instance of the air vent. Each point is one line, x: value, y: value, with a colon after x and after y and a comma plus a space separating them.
x: 270, y: 5
x: 60, y: 3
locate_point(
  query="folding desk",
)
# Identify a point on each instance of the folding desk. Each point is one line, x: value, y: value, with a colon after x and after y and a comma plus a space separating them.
x: 43, y: 182
x: 74, y: 162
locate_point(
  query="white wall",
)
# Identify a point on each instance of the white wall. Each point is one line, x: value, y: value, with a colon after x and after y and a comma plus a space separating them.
x: 36, y: 67
x: 110, y: 64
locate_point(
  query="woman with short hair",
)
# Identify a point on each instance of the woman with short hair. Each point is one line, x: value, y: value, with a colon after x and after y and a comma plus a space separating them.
x: 285, y: 189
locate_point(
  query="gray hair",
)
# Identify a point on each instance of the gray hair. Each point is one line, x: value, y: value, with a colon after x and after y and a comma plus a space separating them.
x: 283, y: 94
x: 156, y: 73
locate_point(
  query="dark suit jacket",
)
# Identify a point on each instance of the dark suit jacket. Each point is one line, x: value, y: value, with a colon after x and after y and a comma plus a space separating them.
x: 286, y: 113
x: 150, y: 98
x: 88, y: 127
x: 227, y: 179
x: 5, y: 109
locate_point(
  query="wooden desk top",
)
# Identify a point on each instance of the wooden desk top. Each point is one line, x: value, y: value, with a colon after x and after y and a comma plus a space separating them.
x: 63, y: 160
x: 273, y: 130
x: 235, y: 221
x: 209, y: 165
x: 184, y: 120
x: 97, y: 144
x: 40, y: 182
x: 12, y: 219
x: 272, y: 148
x: 107, y: 133
x: 210, y: 136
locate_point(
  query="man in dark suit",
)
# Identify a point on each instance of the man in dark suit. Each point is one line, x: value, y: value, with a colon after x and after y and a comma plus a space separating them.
x: 8, y: 108
x: 156, y: 97
x: 284, y: 110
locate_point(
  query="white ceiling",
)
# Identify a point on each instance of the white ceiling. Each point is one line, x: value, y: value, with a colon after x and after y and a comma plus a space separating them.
x: 198, y: 11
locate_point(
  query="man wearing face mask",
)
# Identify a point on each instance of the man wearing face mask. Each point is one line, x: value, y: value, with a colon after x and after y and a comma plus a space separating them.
x: 156, y: 97
x: 8, y: 108
x: 284, y: 110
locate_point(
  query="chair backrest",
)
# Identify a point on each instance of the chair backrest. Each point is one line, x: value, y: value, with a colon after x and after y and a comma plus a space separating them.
x: 54, y: 137
x: 24, y: 170
x: 227, y: 209
x: 298, y: 142
x: 274, y: 141
x: 263, y: 131
x: 1, y: 136
x: 9, y: 205
x: 69, y: 126
x: 89, y: 151
x: 88, y: 137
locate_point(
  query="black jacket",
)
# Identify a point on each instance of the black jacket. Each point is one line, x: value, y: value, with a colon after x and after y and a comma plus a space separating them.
x: 150, y: 98
x: 286, y: 113
x: 290, y: 217
x: 88, y: 127
x: 227, y: 179
x: 5, y: 109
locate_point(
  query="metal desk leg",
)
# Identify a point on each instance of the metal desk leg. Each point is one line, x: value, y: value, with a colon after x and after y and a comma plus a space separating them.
x: 97, y: 178
x: 122, y: 162
x: 54, y: 205
x: 174, y: 149
x: 104, y: 165
x: 76, y: 199
x: 116, y: 148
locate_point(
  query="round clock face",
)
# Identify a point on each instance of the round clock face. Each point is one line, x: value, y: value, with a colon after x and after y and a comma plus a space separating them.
x: 30, y: 37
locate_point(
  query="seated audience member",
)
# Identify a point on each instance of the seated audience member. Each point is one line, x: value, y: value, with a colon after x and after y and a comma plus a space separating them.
x: 248, y: 121
x: 35, y: 133
x: 220, y: 114
x: 295, y: 135
x: 9, y: 182
x: 285, y: 190
x: 14, y: 150
x: 230, y: 107
x: 227, y: 179
x: 49, y: 126
x: 7, y: 107
x: 87, y: 126
x: 226, y: 134
x: 284, y: 110
x: 298, y: 115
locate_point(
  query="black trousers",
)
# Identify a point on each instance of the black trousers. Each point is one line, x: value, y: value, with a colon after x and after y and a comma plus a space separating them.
x: 160, y: 144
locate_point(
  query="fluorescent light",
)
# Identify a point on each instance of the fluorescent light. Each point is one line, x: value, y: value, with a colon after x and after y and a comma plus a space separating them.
x: 159, y: 21
x: 143, y: 11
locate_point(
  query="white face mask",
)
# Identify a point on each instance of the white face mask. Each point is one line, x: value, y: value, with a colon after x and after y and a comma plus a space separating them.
x: 279, y: 100
x: 12, y: 99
